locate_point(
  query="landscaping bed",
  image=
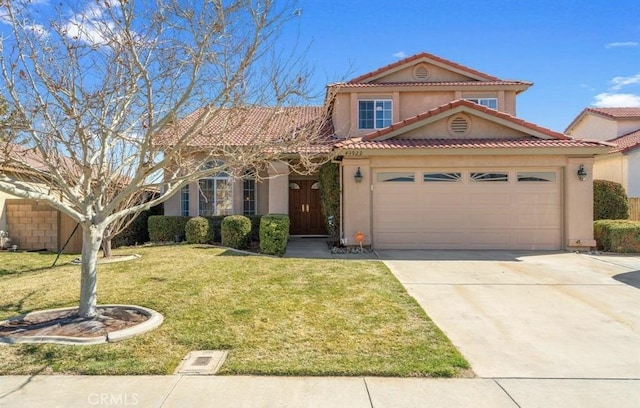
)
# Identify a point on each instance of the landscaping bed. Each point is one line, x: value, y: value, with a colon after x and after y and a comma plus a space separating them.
x: 275, y: 316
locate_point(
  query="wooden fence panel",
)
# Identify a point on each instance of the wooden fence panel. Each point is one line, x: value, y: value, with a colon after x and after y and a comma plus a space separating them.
x: 67, y: 225
x: 634, y: 208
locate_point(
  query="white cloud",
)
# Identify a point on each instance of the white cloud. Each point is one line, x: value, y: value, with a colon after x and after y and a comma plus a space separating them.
x: 614, y: 100
x: 622, y: 44
x: 91, y: 26
x: 400, y: 55
x: 620, y: 81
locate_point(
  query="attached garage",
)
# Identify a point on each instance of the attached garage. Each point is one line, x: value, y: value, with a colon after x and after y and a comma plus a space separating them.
x: 467, y: 208
x: 499, y: 183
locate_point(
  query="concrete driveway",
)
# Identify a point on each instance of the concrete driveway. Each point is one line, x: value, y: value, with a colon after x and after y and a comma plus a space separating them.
x: 531, y: 314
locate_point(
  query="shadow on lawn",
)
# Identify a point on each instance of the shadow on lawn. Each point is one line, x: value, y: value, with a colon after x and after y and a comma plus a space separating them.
x: 16, y: 307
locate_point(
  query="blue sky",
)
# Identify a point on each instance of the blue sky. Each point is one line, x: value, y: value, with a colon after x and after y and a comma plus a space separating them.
x: 577, y: 53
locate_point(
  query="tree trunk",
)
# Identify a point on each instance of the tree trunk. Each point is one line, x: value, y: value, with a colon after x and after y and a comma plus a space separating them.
x: 91, y: 240
x: 106, y: 243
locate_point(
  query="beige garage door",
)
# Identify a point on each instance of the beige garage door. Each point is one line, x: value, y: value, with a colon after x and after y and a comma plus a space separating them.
x: 467, y: 209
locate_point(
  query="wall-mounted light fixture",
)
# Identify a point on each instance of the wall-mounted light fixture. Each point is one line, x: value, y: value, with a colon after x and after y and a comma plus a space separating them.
x: 582, y: 173
x: 358, y: 175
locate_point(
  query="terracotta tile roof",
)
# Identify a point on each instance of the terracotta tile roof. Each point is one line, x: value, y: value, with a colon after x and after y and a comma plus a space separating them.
x: 616, y: 113
x: 432, y: 84
x: 530, y: 142
x: 471, y: 105
x: 245, y: 127
x: 473, y: 72
x: 626, y: 142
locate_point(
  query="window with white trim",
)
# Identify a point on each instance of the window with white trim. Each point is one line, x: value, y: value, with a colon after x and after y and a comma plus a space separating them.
x: 375, y: 114
x: 184, y: 201
x: 216, y: 193
x: 249, y: 197
x: 488, y: 102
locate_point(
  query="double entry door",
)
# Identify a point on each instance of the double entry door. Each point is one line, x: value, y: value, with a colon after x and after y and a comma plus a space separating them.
x: 305, y: 212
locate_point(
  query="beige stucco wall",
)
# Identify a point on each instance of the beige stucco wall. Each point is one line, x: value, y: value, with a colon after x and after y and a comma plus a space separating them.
x: 356, y: 201
x: 593, y: 127
x: 578, y: 195
x: 627, y: 125
x: 436, y: 74
x: 3, y: 210
x: 633, y: 169
x: 578, y: 204
x: 278, y: 188
x: 415, y: 103
x: 479, y: 128
x: 611, y: 167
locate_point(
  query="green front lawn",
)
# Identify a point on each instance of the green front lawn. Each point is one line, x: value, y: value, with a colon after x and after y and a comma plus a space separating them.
x: 275, y: 316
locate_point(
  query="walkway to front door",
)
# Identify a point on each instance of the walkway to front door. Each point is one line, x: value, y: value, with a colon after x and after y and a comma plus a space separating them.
x: 304, y: 208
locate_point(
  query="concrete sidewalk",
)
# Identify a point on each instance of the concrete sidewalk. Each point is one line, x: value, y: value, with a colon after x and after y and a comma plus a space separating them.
x: 221, y: 392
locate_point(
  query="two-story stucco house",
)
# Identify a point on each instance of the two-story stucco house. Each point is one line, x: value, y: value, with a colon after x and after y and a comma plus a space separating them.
x: 621, y: 127
x: 431, y: 155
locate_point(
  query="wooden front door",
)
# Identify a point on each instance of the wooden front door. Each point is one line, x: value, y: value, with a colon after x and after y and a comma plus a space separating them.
x: 304, y: 208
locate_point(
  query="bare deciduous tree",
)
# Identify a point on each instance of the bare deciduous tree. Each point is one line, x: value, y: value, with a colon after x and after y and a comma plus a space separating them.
x: 101, y: 91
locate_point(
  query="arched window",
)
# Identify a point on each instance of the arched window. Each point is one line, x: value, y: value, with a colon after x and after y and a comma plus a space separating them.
x: 216, y: 191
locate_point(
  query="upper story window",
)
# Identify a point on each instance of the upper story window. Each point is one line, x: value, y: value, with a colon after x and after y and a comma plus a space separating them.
x: 488, y: 102
x: 374, y: 114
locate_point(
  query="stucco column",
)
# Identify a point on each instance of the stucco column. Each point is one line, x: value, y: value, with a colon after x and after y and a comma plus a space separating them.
x: 356, y: 201
x: 278, y: 188
x: 579, y: 205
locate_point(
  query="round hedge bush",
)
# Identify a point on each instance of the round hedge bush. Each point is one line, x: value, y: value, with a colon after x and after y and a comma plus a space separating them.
x: 609, y: 201
x: 197, y: 230
x: 236, y: 231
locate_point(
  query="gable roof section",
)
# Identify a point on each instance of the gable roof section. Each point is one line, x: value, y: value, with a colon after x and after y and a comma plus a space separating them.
x: 461, y: 105
x: 626, y: 143
x: 426, y: 57
x: 620, y: 113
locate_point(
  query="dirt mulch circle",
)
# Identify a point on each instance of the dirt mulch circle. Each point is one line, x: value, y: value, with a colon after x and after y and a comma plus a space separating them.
x: 61, y: 324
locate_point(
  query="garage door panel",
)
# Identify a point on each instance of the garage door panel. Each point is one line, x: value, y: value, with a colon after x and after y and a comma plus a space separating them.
x: 467, y: 214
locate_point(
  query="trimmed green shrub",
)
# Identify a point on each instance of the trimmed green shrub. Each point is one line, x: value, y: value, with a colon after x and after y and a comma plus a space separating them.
x: 138, y: 231
x: 610, y: 201
x: 197, y: 230
x: 329, y: 179
x: 236, y: 231
x: 617, y: 235
x: 274, y: 233
x: 164, y: 228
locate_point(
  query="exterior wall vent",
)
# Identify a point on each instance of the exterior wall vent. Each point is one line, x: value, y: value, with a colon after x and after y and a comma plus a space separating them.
x: 421, y: 72
x: 459, y: 125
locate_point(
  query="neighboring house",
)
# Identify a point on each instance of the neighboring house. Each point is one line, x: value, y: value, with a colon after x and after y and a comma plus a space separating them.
x: 431, y: 156
x: 33, y: 225
x: 621, y: 127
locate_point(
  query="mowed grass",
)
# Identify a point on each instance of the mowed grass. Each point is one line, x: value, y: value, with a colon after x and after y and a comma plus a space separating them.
x: 275, y: 316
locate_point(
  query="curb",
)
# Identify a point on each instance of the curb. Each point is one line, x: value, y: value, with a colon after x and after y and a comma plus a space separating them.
x: 155, y: 320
